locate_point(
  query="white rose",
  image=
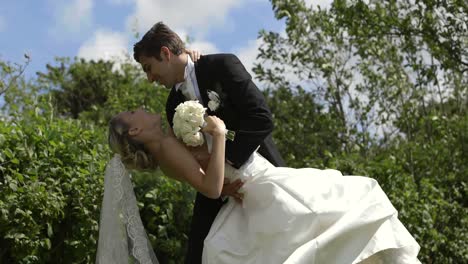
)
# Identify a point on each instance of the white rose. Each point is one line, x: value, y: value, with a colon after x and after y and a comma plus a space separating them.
x: 213, y: 96
x: 192, y: 106
x: 197, y: 120
x: 214, y: 102
x: 178, y: 125
x: 212, y: 105
x: 193, y: 139
x: 188, y: 119
x: 183, y: 128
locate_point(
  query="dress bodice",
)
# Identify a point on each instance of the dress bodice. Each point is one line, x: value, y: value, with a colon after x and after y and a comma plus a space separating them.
x: 255, y: 165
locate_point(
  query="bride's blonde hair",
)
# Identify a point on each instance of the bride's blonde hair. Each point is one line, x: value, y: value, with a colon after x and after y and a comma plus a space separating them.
x: 133, y: 154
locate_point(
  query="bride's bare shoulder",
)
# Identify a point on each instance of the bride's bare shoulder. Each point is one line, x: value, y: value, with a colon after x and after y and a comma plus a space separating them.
x: 175, y: 159
x: 169, y: 141
x: 171, y: 146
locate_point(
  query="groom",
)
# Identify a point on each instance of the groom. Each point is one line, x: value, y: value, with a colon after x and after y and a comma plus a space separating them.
x: 221, y: 83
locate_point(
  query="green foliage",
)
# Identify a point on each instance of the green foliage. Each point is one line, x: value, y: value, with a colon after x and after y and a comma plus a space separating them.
x: 307, y: 141
x: 369, y: 63
x: 50, y: 188
x: 390, y: 80
x: 52, y: 166
x: 9, y: 73
x: 97, y: 90
x: 166, y: 209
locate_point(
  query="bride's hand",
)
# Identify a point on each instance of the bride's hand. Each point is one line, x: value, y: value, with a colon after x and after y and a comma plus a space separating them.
x: 214, y: 126
x: 194, y: 54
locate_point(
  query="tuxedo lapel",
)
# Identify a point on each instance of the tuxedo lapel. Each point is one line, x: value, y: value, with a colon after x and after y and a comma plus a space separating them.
x: 173, y: 100
x: 203, y: 82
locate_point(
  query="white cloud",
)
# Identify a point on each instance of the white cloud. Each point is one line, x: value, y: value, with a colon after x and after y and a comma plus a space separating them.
x: 106, y: 45
x: 183, y: 16
x: 204, y: 46
x: 198, y: 16
x: 72, y: 17
x: 248, y: 54
x: 2, y: 24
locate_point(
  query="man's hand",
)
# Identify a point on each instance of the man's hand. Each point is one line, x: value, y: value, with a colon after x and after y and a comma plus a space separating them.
x: 232, y: 189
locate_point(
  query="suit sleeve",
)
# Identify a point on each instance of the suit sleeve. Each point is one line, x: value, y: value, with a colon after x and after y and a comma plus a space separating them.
x: 255, y: 118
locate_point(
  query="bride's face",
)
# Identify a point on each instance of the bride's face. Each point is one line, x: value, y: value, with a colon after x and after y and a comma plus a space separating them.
x: 142, y: 125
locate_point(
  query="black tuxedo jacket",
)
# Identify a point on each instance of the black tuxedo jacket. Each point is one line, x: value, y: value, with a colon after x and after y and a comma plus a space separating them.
x: 243, y: 108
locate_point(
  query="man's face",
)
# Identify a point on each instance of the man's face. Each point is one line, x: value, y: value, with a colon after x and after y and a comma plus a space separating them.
x: 158, y: 71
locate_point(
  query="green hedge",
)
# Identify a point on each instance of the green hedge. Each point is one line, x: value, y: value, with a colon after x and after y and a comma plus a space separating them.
x: 51, y: 187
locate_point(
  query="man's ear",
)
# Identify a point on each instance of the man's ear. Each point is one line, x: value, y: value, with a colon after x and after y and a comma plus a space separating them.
x: 134, y: 131
x: 165, y: 53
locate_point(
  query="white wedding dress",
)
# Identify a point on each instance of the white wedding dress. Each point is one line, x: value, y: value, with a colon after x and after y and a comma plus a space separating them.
x: 307, y: 216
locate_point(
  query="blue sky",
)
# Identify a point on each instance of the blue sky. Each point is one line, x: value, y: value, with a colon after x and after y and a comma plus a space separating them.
x: 104, y: 29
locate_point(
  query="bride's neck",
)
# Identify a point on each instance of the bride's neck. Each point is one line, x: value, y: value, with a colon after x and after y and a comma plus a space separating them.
x: 154, y: 147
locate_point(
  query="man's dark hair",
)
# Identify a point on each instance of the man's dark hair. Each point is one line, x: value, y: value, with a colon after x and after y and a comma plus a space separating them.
x: 159, y: 35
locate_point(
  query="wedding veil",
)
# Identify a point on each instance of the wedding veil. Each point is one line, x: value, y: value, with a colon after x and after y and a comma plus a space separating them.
x: 122, y: 237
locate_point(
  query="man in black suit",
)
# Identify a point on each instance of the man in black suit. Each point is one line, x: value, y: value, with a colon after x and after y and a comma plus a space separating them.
x: 221, y: 83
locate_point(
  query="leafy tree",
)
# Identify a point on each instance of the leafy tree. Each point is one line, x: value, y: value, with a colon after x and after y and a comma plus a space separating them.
x: 393, y: 75
x: 369, y: 62
x: 9, y: 73
x: 97, y: 90
x: 305, y: 134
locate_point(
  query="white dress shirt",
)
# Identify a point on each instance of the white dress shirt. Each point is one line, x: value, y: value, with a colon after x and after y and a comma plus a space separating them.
x: 189, y: 88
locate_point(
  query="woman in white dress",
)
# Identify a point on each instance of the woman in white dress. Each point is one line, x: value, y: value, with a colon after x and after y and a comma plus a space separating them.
x: 286, y: 216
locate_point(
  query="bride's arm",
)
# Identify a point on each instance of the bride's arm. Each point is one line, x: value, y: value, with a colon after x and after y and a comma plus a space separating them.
x: 177, y: 162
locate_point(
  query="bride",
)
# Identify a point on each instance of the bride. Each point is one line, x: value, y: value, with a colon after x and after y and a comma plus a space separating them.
x: 286, y: 216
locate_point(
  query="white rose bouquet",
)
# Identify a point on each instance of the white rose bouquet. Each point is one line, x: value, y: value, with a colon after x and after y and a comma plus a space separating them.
x: 188, y: 121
